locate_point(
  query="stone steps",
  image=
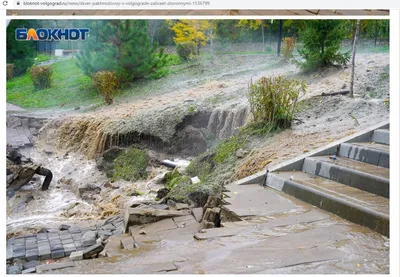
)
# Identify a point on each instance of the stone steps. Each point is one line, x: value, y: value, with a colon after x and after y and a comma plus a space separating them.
x: 363, y: 176
x: 353, y: 184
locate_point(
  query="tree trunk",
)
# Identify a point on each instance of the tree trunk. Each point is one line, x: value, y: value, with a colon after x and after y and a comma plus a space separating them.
x: 353, y: 58
x: 262, y: 31
x: 279, y: 37
x: 376, y: 32
x: 211, y: 42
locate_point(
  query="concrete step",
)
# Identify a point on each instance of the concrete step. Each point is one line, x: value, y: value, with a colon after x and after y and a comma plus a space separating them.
x: 363, y: 176
x: 367, y: 152
x: 355, y: 205
x: 381, y: 136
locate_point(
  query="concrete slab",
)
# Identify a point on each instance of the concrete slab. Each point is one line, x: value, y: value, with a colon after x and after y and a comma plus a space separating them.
x: 254, y: 200
x: 198, y: 214
x: 53, y: 266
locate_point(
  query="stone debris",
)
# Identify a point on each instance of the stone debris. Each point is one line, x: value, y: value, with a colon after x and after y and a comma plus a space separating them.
x: 89, y: 238
x: 77, y: 255
x: 92, y: 250
x: 198, y: 214
x: 135, y: 216
x: 29, y: 270
x: 142, y: 232
x: 15, y: 269
x: 30, y: 264
x: 52, y: 266
x: 127, y: 243
x: 64, y: 227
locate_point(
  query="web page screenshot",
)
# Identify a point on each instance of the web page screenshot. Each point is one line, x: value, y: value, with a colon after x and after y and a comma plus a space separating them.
x: 200, y: 137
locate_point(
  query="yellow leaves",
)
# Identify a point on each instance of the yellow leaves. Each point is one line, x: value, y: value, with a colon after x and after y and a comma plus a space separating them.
x: 106, y: 82
x: 191, y: 30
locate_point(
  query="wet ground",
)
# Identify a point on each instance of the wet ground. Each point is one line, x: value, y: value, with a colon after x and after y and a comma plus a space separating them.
x: 296, y: 238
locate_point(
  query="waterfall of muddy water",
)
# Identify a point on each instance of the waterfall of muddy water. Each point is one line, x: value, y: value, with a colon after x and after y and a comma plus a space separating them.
x: 32, y: 209
x: 225, y: 121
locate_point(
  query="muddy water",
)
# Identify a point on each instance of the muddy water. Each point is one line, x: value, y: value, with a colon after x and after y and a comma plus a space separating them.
x: 32, y: 209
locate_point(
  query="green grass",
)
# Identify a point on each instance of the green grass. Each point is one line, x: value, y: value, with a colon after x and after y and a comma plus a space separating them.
x: 130, y: 165
x: 70, y: 87
x: 42, y: 58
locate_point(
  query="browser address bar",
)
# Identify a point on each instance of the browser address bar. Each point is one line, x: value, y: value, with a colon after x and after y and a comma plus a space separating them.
x: 120, y: 4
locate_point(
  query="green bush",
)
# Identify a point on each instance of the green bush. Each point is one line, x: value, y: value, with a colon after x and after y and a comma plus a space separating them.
x: 321, y: 44
x: 106, y: 83
x: 41, y: 76
x: 130, y: 165
x: 186, y: 50
x: 273, y: 100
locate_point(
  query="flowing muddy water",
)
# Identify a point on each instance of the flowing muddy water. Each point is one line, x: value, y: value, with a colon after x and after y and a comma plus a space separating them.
x: 32, y: 209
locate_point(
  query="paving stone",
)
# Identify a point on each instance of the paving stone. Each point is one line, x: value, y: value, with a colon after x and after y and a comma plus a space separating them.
x: 55, y: 242
x: 42, y: 237
x: 67, y: 241
x: 10, y: 250
x: 65, y: 236
x: 69, y: 248
x: 10, y: 241
x: 19, y: 248
x: 198, y: 214
x: 19, y: 240
x: 31, y: 247
x: 30, y: 264
x: 56, y: 254
x: 44, y: 243
x: 92, y: 250
x: 19, y: 254
x: 44, y: 254
x: 32, y: 255
x: 77, y: 255
x: 63, y: 232
x: 52, y: 266
x: 29, y: 270
x: 56, y: 247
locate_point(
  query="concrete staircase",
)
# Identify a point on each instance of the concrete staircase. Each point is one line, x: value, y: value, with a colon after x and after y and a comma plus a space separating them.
x: 351, y: 182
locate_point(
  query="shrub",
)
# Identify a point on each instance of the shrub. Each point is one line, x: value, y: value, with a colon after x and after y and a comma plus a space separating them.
x: 10, y: 71
x: 130, y: 165
x: 106, y: 83
x: 321, y: 43
x: 186, y: 50
x: 273, y: 100
x: 41, y: 76
x: 289, y: 44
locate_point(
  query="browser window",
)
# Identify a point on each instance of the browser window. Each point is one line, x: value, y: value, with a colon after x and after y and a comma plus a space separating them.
x: 200, y: 137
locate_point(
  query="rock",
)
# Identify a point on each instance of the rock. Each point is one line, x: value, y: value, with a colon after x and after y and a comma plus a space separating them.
x: 76, y: 256
x: 63, y: 227
x: 111, y: 153
x: 52, y: 266
x: 181, y: 206
x: 88, y: 188
x: 109, y: 227
x: 241, y: 153
x: 142, y: 232
x: 212, y: 215
x: 212, y: 202
x: 198, y: 213
x: 369, y: 88
x: 30, y: 264
x: 15, y: 269
x: 89, y: 238
x: 92, y: 250
x: 127, y: 243
x: 76, y: 108
x: 135, y: 216
x: 29, y: 270
x: 104, y: 234
x: 198, y: 198
x: 171, y: 204
x: 161, y: 193
x: 195, y: 180
x: 344, y: 86
x: 99, y: 240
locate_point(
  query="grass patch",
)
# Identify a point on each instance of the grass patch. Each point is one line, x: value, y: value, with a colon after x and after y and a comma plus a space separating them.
x: 70, y: 87
x: 42, y: 58
x: 228, y: 149
x: 130, y: 165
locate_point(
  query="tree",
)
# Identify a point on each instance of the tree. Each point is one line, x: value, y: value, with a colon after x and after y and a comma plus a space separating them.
x: 254, y: 24
x: 353, y: 57
x: 190, y: 30
x: 279, y: 37
x: 121, y: 46
x: 321, y: 43
x: 20, y: 53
